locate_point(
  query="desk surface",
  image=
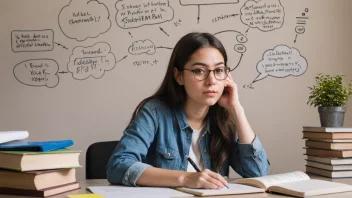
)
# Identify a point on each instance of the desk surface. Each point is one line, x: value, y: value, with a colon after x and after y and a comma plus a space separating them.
x: 103, y: 182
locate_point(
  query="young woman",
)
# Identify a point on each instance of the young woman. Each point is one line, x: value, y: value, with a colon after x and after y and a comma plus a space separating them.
x: 196, y: 112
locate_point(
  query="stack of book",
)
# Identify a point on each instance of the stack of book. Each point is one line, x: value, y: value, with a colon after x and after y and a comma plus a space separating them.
x: 38, y: 169
x: 329, y: 151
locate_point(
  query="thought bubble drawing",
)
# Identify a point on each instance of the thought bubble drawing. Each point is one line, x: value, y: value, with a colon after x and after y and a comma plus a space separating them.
x: 82, y: 19
x: 136, y: 13
x: 32, y: 40
x: 91, y: 61
x: 37, y: 72
x: 140, y: 47
x: 280, y: 62
x: 266, y: 15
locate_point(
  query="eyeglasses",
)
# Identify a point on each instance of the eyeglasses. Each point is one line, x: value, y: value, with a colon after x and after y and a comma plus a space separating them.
x: 220, y: 73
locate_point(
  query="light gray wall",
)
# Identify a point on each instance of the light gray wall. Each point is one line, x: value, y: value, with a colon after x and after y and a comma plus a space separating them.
x: 89, y: 109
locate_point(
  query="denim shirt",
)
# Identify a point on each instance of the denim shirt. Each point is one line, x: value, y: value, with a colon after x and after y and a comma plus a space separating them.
x: 160, y: 136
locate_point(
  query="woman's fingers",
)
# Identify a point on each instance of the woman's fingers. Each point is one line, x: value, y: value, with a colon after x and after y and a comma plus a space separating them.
x: 218, y: 178
x: 205, y: 179
x: 214, y: 180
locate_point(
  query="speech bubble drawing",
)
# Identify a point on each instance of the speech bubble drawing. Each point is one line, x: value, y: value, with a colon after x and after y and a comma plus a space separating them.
x: 32, y: 40
x: 37, y: 72
x: 91, y: 61
x: 241, y: 38
x: 240, y: 48
x: 300, y: 29
x: 84, y: 19
x: 140, y: 47
x: 136, y: 13
x: 207, y: 2
x: 280, y: 62
x: 266, y: 15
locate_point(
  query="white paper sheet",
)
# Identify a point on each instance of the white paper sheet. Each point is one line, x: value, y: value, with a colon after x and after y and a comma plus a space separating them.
x: 136, y: 192
x: 7, y: 136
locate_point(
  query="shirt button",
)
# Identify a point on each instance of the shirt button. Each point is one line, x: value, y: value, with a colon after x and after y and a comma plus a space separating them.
x: 167, y: 154
x: 206, y: 161
x: 205, y: 150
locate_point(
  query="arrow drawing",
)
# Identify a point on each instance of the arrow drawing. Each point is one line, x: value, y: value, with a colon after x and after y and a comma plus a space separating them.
x: 61, y: 45
x: 121, y: 59
x: 296, y: 38
x: 198, y: 14
x: 163, y: 31
x: 247, y: 31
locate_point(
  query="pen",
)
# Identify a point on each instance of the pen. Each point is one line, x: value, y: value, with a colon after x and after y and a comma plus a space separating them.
x: 195, y: 166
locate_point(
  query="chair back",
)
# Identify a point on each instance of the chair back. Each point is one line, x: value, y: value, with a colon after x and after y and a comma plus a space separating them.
x: 97, y: 157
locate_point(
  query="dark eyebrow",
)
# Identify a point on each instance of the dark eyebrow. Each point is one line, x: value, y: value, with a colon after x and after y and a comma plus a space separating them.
x: 203, y: 64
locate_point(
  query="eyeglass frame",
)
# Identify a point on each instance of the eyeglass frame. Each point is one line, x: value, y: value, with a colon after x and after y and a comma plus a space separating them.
x: 210, y: 70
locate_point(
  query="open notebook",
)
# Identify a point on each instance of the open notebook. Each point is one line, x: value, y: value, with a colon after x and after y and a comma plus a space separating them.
x: 232, y: 190
x: 295, y: 183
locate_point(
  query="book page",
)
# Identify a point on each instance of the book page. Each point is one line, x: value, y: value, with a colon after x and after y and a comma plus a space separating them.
x: 134, y: 192
x: 232, y: 190
x: 310, y: 188
x: 270, y: 180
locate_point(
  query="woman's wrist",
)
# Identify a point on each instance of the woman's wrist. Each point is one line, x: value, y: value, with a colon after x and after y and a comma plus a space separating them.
x: 237, y: 110
x: 182, y: 178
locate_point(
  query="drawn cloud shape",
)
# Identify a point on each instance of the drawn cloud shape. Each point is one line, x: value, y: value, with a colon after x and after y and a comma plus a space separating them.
x: 280, y: 62
x: 84, y: 19
x: 265, y: 15
x: 91, y: 61
x: 142, y: 46
x: 136, y: 13
x: 37, y: 72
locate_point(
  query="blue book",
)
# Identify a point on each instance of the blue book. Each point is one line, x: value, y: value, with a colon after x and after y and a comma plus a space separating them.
x: 36, y: 146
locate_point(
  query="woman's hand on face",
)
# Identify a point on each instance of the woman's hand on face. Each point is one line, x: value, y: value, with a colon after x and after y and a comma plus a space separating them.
x: 205, y: 179
x: 230, y: 98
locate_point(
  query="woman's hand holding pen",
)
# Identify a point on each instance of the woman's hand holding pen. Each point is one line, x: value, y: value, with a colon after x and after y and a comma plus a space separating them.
x: 204, y: 179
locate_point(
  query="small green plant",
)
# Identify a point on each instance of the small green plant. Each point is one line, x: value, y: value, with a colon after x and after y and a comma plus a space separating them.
x: 329, y: 91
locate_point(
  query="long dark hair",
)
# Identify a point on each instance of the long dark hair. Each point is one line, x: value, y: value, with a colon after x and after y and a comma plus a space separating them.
x: 221, y: 124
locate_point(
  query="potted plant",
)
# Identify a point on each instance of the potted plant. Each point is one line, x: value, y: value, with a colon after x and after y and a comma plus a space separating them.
x: 331, y: 97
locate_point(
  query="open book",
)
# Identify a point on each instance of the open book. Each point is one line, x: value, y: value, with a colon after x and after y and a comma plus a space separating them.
x: 232, y: 190
x: 295, y: 183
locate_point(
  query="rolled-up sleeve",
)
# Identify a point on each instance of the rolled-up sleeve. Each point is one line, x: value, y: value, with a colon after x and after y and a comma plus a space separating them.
x: 249, y: 160
x: 126, y: 165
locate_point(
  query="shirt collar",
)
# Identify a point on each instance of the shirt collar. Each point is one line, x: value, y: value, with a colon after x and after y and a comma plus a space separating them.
x: 182, y: 119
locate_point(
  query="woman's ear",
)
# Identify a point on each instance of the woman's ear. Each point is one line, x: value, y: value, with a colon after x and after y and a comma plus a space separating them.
x: 178, y: 76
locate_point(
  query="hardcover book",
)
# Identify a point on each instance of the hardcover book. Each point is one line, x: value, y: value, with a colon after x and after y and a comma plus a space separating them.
x: 36, y: 146
x: 41, y: 193
x: 29, y: 161
x: 37, y: 180
x: 328, y: 129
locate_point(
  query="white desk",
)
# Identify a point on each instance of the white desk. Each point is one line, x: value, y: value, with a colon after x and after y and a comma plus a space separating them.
x: 103, y: 182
